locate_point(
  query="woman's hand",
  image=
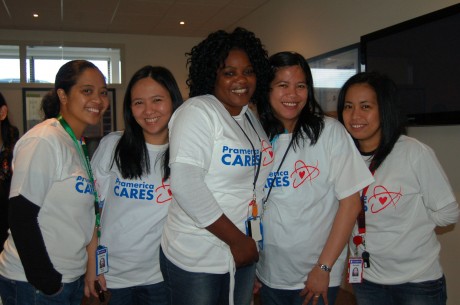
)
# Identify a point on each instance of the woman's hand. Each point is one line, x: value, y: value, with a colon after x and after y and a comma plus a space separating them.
x: 316, y: 285
x: 244, y: 251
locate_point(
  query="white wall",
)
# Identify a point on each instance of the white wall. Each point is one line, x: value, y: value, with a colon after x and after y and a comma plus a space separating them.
x: 313, y: 27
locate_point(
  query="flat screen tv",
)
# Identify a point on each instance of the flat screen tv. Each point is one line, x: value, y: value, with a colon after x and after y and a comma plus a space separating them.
x: 422, y: 56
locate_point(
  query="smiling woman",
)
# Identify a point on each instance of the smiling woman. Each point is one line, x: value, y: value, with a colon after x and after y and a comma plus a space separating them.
x: 221, y: 155
x: 52, y: 212
x: 132, y: 173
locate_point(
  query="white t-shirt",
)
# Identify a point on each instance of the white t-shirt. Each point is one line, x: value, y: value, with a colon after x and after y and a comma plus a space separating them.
x: 303, y: 203
x: 400, y: 235
x: 204, y: 134
x: 133, y: 216
x: 49, y: 172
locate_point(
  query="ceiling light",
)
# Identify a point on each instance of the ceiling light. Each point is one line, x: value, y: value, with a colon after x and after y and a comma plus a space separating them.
x: 182, y: 22
x: 35, y: 15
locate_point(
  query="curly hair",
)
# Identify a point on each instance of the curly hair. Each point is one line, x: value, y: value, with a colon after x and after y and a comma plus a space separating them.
x: 209, y: 55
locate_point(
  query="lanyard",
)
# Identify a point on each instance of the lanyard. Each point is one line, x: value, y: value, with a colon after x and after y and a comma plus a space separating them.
x: 279, y: 167
x: 361, y: 220
x: 84, y: 155
x: 256, y: 167
x: 362, y: 217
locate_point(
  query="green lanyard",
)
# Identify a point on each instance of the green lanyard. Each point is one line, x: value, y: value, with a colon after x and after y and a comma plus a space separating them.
x: 83, y: 152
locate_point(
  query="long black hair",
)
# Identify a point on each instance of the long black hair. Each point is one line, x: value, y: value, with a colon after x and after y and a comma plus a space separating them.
x: 131, y: 155
x: 311, y: 118
x: 392, y: 124
x: 209, y: 55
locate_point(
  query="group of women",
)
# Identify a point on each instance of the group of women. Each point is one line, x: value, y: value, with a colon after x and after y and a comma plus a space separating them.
x: 206, y: 201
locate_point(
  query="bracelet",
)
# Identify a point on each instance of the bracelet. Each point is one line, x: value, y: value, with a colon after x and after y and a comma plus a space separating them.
x: 324, y: 267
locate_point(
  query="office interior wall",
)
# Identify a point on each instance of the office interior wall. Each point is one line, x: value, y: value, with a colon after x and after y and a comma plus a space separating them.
x: 314, y: 27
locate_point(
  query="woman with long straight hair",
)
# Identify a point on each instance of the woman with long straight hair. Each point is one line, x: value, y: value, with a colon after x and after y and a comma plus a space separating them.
x: 132, y: 177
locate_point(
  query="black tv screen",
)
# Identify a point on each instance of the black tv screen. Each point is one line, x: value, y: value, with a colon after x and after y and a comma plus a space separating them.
x: 422, y: 56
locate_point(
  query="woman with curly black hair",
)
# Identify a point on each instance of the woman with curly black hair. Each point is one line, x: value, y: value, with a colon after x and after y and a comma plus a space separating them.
x: 220, y: 158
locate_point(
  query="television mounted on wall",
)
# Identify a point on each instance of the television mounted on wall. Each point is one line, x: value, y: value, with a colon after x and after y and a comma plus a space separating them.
x: 422, y: 56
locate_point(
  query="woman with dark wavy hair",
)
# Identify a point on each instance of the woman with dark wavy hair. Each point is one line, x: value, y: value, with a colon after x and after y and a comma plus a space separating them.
x: 132, y: 178
x: 312, y: 195
x: 9, y: 134
x: 220, y: 158
x: 411, y: 195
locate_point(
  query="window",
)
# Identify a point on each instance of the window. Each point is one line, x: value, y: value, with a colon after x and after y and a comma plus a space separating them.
x: 10, y: 71
x: 330, y: 71
x: 42, y: 62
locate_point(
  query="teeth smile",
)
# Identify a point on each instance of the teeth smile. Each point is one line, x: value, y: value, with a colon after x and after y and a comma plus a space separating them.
x: 357, y: 126
x: 239, y: 91
x: 151, y: 120
x: 291, y: 104
x: 95, y: 110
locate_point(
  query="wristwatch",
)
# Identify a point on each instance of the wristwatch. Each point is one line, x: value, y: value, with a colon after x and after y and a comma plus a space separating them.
x: 324, y: 267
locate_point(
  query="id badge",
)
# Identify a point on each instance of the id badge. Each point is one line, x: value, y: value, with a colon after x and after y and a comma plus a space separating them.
x: 102, y: 260
x: 254, y: 228
x: 355, y: 270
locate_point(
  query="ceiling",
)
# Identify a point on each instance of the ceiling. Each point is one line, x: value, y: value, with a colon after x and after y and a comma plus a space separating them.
x: 144, y: 17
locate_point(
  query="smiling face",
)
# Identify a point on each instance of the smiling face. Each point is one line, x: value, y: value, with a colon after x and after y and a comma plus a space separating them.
x: 235, y: 82
x: 288, y: 95
x: 152, y: 107
x: 86, y: 101
x: 361, y: 116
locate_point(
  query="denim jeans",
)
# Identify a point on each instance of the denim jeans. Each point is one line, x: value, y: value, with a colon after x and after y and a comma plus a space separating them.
x: 424, y: 293
x: 271, y: 296
x: 23, y: 293
x: 154, y: 294
x: 186, y: 288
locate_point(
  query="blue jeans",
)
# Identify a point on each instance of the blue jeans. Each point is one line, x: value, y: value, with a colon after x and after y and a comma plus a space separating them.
x: 23, y: 293
x: 186, y: 288
x: 424, y: 293
x: 272, y: 296
x: 154, y: 294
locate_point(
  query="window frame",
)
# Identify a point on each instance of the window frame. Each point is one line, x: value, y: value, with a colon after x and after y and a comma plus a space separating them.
x: 23, y: 59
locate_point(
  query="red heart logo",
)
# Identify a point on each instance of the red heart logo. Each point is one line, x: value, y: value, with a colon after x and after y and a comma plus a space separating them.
x: 271, y: 153
x: 383, y: 200
x: 169, y: 192
x: 301, y: 174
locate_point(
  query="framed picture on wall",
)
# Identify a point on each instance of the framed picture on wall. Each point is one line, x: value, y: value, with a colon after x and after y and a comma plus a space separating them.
x: 31, y: 106
x: 32, y: 113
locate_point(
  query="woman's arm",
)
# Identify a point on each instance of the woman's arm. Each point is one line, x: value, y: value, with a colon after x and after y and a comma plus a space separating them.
x: 204, y: 210
x: 318, y: 280
x: 31, y: 247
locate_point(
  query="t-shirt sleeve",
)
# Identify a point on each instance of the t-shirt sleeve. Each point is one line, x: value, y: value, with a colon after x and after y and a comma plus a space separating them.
x: 434, y: 184
x: 100, y: 164
x: 348, y: 170
x: 191, y: 137
x: 35, y: 167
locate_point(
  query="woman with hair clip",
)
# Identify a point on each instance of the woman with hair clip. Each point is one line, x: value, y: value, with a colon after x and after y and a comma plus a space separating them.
x: 220, y: 159
x: 132, y: 178
x: 52, y: 201
x: 9, y: 134
x: 312, y: 194
x: 411, y: 195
